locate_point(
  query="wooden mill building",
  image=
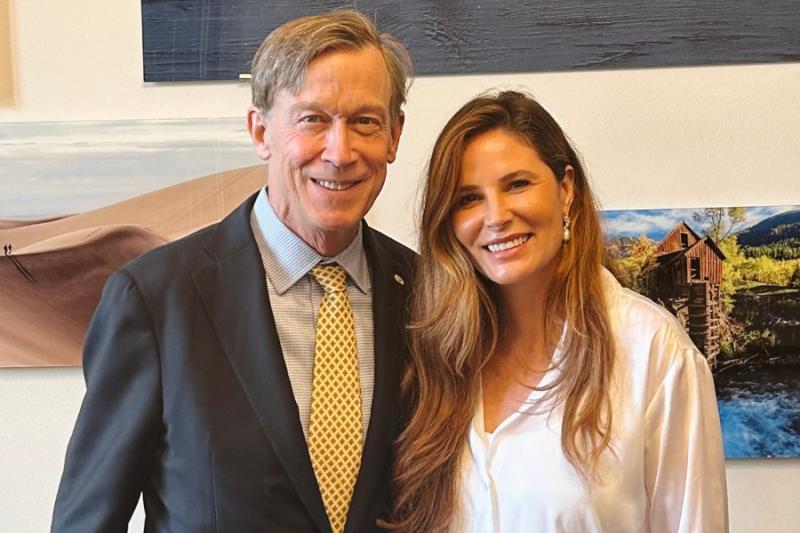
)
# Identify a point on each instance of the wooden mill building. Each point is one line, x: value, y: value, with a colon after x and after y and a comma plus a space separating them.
x: 686, y: 278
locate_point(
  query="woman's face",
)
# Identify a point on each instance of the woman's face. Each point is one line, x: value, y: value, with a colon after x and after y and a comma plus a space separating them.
x: 509, y: 209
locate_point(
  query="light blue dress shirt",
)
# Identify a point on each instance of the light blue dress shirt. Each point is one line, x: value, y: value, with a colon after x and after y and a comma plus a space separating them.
x: 295, y: 298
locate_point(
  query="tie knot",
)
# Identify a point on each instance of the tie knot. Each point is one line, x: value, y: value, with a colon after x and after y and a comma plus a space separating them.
x: 331, y: 277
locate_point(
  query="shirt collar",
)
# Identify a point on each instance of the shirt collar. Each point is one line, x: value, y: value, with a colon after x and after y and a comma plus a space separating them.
x: 287, y: 257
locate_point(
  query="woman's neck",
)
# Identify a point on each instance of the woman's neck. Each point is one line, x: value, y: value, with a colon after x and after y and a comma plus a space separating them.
x: 518, y: 361
x: 522, y: 318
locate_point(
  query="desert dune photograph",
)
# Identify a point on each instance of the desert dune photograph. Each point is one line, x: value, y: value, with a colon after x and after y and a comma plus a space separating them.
x: 79, y: 200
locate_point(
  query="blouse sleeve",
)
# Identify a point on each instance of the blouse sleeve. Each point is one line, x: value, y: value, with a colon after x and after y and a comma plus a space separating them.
x: 684, y: 459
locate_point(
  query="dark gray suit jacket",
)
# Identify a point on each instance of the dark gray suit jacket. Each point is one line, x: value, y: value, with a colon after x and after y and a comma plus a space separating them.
x: 189, y: 403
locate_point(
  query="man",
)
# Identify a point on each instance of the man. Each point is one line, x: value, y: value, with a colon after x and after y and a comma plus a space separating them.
x: 213, y: 386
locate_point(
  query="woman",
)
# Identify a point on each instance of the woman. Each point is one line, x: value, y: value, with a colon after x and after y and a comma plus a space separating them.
x: 542, y: 395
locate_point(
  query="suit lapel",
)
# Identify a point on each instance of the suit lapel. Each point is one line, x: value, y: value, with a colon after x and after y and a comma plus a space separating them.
x: 233, y: 290
x: 388, y: 302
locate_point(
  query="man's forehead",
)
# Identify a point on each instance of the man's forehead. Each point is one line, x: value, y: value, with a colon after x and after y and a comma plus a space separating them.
x: 368, y: 53
x: 365, y: 64
x: 349, y: 78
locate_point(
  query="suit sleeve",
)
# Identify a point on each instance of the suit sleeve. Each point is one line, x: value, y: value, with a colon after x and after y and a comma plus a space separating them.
x: 110, y: 454
x: 684, y: 459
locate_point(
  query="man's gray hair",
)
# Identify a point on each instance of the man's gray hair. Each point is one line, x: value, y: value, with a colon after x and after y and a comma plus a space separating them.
x: 283, y: 58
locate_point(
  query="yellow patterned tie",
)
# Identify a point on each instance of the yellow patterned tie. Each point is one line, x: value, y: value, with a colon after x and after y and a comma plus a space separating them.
x: 334, y: 433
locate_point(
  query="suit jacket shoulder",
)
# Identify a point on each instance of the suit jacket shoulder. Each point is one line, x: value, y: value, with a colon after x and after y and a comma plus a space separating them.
x: 161, y: 266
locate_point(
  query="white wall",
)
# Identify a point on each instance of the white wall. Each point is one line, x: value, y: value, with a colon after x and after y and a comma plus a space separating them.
x: 681, y: 137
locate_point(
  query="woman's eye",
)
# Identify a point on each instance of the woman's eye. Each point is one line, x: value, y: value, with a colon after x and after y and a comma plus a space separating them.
x: 519, y: 184
x: 467, y: 199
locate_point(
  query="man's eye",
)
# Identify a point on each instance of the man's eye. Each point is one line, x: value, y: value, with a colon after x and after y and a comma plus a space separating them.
x: 369, y: 122
x: 311, y: 119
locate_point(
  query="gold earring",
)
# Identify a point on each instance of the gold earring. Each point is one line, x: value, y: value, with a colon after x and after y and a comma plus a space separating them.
x: 567, y: 234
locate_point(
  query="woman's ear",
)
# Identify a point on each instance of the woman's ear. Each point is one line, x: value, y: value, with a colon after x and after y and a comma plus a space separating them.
x: 567, y: 186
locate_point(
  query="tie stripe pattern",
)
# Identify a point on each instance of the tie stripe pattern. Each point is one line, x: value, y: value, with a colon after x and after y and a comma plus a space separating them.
x: 334, y: 433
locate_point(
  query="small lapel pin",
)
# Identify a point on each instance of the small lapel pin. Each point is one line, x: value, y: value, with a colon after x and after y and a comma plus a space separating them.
x: 399, y: 280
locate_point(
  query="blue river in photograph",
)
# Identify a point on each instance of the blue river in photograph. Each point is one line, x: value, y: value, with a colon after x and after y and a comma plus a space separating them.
x: 760, y: 411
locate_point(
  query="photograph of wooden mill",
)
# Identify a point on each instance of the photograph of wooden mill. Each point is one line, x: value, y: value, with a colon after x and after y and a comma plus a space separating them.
x: 732, y: 278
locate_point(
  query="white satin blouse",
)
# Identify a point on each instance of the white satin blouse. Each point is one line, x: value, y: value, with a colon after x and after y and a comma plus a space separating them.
x: 667, y: 470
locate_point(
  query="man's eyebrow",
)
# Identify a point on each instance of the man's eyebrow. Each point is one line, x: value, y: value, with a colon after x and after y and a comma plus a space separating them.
x: 362, y: 109
x: 371, y: 109
x: 305, y: 106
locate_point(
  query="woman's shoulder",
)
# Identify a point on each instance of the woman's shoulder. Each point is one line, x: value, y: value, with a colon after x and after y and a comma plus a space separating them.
x: 644, y: 329
x: 654, y: 350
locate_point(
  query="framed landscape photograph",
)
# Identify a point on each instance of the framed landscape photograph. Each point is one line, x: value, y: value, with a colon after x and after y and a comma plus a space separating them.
x: 732, y: 278
x: 80, y: 199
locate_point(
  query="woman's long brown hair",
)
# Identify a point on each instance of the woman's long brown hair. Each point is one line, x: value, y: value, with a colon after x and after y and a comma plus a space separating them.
x: 454, y: 325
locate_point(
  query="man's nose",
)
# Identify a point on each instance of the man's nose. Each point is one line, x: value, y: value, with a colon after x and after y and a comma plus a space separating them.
x: 338, y: 145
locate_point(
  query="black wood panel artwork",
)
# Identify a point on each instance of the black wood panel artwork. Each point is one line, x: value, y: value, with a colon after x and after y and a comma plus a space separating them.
x: 215, y: 39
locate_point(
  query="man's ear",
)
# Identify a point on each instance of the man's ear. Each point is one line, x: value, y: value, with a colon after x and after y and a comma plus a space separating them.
x: 257, y: 127
x: 395, y: 130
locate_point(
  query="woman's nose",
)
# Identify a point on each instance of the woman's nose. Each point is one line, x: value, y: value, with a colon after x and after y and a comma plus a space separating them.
x: 497, y: 213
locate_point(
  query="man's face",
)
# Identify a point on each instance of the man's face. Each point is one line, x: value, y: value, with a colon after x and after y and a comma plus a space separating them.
x: 327, y: 146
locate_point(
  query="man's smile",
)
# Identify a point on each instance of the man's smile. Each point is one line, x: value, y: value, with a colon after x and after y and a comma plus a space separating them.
x: 334, y: 185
